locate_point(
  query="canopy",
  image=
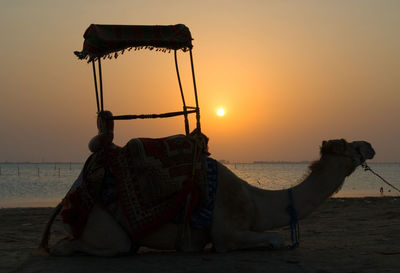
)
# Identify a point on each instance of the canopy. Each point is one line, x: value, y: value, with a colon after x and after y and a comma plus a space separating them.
x: 108, y: 40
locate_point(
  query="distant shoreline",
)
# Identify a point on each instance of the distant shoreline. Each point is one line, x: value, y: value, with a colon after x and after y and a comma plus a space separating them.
x: 293, y: 162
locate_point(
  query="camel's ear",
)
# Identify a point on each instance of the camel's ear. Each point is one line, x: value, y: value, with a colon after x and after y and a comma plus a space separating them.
x: 324, y: 147
x: 343, y: 144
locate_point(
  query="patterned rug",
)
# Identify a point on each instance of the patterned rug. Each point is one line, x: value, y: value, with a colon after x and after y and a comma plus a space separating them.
x: 153, y: 179
x: 150, y: 180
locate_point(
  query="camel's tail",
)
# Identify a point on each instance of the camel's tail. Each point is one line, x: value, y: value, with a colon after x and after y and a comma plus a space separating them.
x: 44, y: 241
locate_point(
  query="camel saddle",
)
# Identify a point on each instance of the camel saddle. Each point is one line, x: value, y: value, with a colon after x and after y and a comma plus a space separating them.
x: 148, y: 180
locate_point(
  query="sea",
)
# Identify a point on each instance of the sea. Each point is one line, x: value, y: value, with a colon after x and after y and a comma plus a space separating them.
x: 45, y: 184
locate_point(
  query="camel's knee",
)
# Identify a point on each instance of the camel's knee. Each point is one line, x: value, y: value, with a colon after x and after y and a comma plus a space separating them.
x: 102, y: 236
x: 103, y: 232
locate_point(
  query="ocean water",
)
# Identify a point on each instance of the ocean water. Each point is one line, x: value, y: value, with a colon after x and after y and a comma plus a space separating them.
x: 45, y: 184
x: 36, y: 184
x: 276, y: 176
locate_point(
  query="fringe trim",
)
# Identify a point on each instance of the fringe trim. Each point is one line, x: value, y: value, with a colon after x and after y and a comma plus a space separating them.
x: 84, y: 55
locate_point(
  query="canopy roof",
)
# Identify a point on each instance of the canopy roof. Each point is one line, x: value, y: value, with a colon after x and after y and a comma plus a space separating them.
x: 108, y: 40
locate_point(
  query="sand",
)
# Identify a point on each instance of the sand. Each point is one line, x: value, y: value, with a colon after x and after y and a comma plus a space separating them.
x: 343, y: 235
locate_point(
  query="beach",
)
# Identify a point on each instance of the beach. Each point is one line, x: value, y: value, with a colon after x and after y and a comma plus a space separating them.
x: 343, y: 235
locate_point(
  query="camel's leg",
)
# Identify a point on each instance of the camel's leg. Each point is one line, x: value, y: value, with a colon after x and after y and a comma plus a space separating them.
x: 246, y: 239
x: 102, y: 236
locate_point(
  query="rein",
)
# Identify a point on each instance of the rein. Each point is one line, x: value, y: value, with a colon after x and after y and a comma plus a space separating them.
x: 367, y: 168
x: 294, y: 223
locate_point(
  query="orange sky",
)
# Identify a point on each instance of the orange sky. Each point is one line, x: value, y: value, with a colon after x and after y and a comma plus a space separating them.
x: 288, y: 73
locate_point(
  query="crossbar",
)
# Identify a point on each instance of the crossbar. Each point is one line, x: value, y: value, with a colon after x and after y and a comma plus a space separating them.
x: 152, y: 116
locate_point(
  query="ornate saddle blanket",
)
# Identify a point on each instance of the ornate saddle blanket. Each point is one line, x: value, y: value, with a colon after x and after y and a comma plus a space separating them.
x: 149, y: 179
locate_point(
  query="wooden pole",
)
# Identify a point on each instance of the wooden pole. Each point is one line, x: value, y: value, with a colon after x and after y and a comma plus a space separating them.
x: 95, y: 86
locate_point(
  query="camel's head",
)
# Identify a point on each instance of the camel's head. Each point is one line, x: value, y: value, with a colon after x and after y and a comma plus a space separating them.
x: 359, y: 151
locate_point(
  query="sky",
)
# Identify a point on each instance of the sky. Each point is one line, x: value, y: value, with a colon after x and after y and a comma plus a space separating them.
x: 289, y: 75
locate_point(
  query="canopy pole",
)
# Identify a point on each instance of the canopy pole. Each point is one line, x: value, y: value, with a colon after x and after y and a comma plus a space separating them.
x: 182, y: 95
x: 195, y: 93
x: 95, y: 86
x: 101, y: 86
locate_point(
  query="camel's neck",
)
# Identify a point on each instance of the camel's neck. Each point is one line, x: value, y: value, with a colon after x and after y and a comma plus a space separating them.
x: 323, y: 181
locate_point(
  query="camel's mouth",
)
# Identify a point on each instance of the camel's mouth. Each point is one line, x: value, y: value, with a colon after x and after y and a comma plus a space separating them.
x: 364, y: 149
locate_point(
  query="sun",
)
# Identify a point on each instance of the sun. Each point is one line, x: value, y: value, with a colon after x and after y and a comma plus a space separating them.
x: 221, y: 112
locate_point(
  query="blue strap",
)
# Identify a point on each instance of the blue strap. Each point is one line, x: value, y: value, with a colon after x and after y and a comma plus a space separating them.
x: 294, y: 223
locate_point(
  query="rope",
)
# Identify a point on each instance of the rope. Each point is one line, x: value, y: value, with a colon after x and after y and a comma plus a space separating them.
x: 367, y: 168
x: 294, y: 223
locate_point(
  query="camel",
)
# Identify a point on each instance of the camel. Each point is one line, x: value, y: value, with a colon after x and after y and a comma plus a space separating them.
x: 241, y: 216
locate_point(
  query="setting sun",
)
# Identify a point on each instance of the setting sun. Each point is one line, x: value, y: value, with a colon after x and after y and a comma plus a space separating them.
x: 221, y: 112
